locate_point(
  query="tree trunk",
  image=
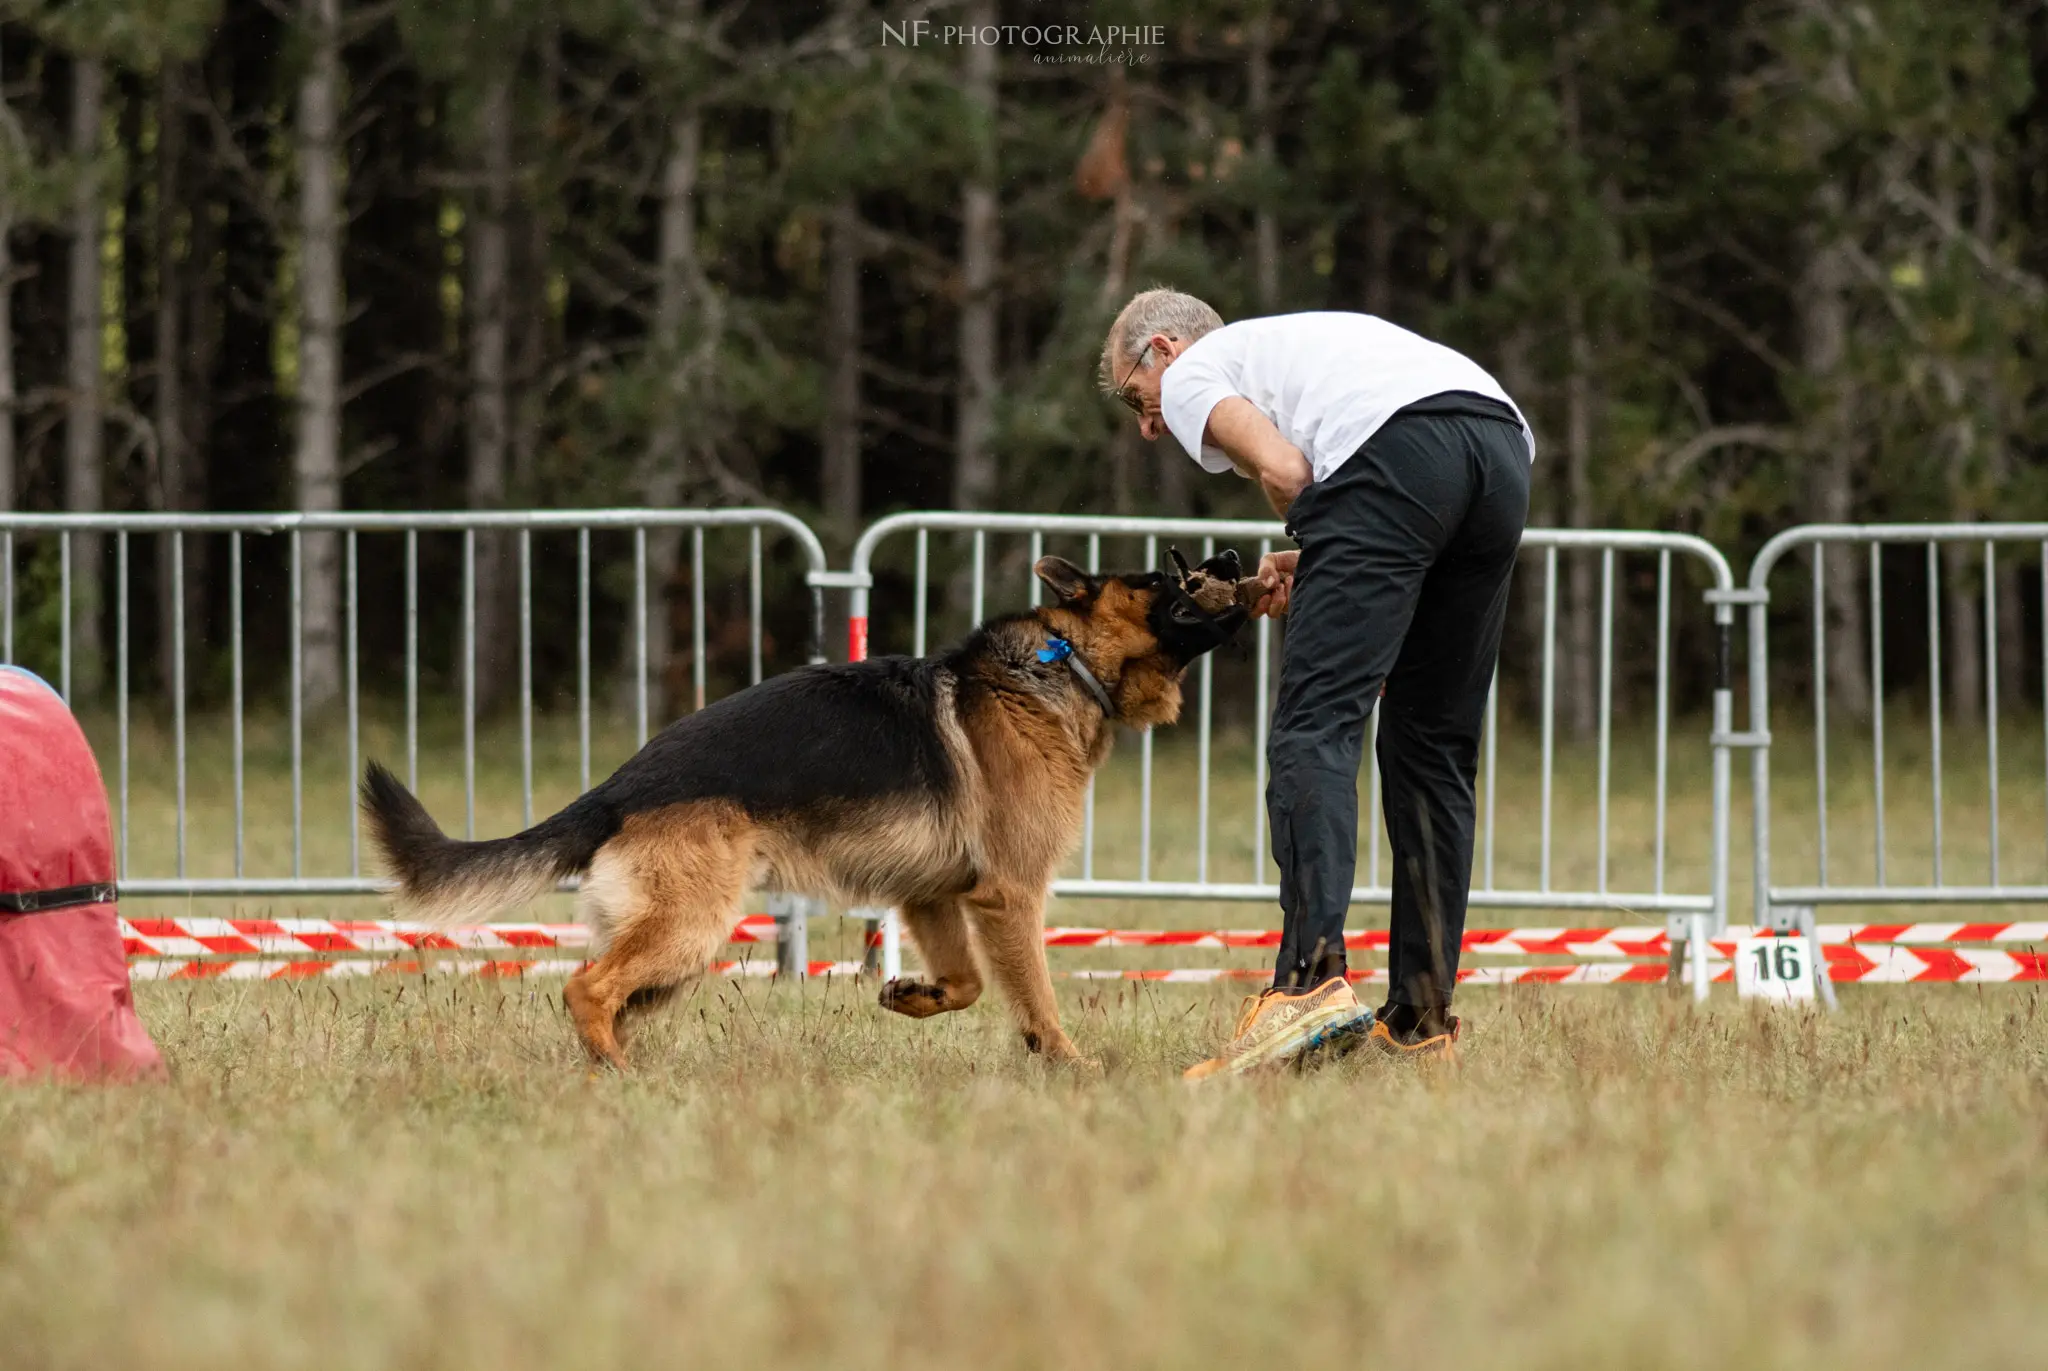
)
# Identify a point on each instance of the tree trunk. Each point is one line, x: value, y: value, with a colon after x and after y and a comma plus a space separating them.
x: 1579, y: 678
x: 1265, y: 221
x: 317, y: 468
x: 167, y: 408
x: 840, y: 442
x: 2010, y: 618
x: 1962, y: 626
x: 662, y: 477
x: 489, y: 430
x: 1820, y: 297
x: 1580, y: 675
x: 975, y: 479
x: 84, y: 455
x: 1820, y: 302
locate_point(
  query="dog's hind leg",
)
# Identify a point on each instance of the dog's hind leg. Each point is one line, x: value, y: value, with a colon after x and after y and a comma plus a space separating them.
x: 940, y: 932
x: 667, y: 890
x: 1010, y: 921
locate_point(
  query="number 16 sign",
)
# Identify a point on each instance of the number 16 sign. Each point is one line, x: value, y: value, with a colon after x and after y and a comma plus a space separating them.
x: 1774, y: 968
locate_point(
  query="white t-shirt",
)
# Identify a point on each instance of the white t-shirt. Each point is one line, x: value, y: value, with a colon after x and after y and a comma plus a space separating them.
x: 1327, y: 381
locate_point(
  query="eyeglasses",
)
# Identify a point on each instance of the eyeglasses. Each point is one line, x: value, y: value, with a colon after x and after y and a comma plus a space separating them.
x: 1123, y: 395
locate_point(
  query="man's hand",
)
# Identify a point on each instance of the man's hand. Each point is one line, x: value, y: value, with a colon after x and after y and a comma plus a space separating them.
x: 1257, y: 450
x: 1276, y: 581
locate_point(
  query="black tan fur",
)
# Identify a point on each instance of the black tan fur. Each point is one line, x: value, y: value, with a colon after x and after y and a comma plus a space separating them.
x: 950, y: 787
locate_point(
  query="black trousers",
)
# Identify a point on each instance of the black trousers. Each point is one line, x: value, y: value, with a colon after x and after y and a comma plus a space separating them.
x: 1406, y: 553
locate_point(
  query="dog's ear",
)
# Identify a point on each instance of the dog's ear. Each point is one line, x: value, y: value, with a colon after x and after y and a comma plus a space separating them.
x: 1068, y: 583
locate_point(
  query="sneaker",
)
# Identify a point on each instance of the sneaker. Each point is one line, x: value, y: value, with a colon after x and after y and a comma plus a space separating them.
x: 1280, y: 1024
x: 1417, y: 1041
x: 1336, y: 1043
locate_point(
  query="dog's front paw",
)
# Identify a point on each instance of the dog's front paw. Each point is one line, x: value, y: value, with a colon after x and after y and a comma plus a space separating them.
x: 918, y: 999
x: 1057, y: 1049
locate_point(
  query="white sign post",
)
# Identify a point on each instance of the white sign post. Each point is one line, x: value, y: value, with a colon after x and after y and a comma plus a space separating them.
x: 1774, y: 968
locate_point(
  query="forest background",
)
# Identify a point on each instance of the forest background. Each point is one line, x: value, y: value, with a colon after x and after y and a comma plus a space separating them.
x: 1743, y: 264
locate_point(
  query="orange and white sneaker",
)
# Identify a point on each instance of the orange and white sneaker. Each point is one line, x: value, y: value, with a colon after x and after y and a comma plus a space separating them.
x: 1439, y: 1039
x: 1279, y: 1025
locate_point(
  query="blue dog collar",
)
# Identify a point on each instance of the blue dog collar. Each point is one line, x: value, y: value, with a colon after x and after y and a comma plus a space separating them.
x: 1058, y: 649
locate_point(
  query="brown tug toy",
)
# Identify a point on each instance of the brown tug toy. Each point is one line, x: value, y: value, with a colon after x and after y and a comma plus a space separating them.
x: 1215, y: 593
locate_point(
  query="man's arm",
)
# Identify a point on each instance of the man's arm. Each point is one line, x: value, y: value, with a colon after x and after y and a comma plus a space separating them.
x: 1258, y: 451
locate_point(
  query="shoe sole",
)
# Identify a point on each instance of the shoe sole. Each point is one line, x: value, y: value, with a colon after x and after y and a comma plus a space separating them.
x: 1302, y: 1035
x: 1337, y: 1042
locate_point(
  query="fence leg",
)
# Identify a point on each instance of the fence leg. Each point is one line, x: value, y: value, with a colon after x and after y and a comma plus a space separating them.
x: 792, y: 934
x: 892, y: 945
x: 882, y: 932
x: 1696, y: 937
x: 1690, y: 938
x: 1822, y: 982
x: 870, y: 941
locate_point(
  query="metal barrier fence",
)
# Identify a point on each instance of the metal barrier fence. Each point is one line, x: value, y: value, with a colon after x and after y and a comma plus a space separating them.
x: 1692, y: 916
x: 1215, y: 840
x: 652, y: 544
x: 1789, y: 904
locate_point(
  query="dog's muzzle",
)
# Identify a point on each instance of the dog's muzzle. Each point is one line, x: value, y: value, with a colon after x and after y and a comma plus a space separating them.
x: 1185, y: 630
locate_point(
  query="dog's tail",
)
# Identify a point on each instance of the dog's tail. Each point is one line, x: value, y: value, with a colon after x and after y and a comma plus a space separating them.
x: 448, y: 882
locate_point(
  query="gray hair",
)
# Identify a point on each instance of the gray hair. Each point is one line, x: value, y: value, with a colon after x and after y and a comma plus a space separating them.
x: 1159, y: 310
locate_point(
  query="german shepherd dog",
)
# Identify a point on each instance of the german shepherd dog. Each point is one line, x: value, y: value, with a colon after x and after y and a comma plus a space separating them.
x: 950, y: 787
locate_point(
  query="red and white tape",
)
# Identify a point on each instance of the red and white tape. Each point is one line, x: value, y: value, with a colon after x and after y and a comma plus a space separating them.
x: 1882, y: 965
x: 247, y: 949
x: 1535, y: 942
x: 251, y: 969
x: 271, y: 969
x: 256, y: 937
x: 1910, y: 934
x: 1879, y: 966
x: 1592, y: 973
x: 1641, y: 941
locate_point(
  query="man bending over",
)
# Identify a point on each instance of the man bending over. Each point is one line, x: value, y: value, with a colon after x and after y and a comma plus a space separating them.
x: 1401, y: 469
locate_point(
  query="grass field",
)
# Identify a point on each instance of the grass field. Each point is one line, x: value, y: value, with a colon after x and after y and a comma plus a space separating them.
x: 398, y: 1176
x: 413, y: 1173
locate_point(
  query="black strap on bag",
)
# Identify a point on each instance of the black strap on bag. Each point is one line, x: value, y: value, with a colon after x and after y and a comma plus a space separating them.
x: 63, y: 897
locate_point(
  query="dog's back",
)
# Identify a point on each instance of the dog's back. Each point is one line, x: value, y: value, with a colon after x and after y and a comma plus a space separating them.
x: 809, y: 754
x: 844, y: 734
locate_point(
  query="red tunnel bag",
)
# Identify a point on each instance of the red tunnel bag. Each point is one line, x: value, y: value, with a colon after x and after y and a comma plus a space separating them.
x: 65, y: 1005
